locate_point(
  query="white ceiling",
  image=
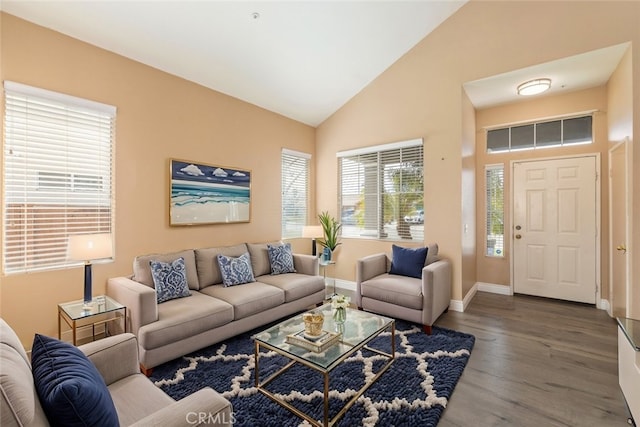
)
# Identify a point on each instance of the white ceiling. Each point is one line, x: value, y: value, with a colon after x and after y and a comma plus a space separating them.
x: 302, y: 59
x: 590, y: 69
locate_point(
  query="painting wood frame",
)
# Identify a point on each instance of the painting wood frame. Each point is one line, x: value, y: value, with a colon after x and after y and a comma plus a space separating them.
x: 201, y: 193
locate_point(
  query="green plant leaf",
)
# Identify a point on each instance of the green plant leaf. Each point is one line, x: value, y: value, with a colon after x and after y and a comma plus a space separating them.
x: 331, y: 230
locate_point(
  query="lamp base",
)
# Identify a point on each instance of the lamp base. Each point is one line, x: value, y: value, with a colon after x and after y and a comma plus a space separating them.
x: 88, y: 298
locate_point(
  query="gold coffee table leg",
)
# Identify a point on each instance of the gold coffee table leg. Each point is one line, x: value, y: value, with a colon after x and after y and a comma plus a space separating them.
x: 326, y: 399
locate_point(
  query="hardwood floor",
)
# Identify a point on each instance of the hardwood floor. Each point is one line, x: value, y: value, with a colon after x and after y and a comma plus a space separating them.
x: 536, y: 362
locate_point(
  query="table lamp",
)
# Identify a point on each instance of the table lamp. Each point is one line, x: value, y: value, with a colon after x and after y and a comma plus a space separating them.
x: 87, y: 248
x: 312, y: 231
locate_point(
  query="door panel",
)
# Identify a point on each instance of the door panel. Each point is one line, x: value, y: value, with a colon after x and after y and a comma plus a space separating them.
x: 555, y: 248
x: 618, y: 222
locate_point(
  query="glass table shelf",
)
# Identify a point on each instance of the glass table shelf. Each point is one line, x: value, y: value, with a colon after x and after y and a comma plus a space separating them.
x: 631, y: 329
x: 102, y: 310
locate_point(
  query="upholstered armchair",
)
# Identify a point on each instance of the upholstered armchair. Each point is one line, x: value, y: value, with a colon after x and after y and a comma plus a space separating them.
x: 137, y: 401
x: 420, y: 299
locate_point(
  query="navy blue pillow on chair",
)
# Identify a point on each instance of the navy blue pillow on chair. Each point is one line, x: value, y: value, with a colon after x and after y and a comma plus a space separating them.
x: 408, y: 261
x: 71, y: 390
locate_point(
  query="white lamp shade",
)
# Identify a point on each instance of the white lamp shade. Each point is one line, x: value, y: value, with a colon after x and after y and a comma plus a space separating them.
x: 312, y: 231
x: 87, y: 247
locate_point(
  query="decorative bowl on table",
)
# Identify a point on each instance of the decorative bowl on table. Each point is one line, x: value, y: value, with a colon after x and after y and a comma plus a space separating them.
x: 313, y: 324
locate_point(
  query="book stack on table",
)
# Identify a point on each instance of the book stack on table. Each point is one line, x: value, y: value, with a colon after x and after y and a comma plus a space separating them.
x: 317, y: 344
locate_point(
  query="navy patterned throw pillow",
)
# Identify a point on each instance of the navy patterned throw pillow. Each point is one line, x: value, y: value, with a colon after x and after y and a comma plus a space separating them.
x: 236, y: 271
x: 169, y: 279
x: 281, y: 259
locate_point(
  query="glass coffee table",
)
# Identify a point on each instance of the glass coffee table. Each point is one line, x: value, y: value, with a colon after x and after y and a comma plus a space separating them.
x: 358, y: 330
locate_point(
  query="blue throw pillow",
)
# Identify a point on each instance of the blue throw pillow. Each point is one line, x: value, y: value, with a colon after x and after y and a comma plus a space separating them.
x: 169, y: 279
x: 236, y: 271
x: 281, y: 259
x: 408, y: 261
x: 71, y: 390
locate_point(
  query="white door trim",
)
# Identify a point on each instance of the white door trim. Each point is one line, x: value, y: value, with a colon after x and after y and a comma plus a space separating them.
x: 612, y: 245
x: 599, y: 303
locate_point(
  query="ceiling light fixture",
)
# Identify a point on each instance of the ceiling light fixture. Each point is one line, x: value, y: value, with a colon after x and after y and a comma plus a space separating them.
x: 534, y: 87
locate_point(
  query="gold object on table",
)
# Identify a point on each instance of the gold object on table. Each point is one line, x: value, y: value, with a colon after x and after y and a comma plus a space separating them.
x: 313, y: 323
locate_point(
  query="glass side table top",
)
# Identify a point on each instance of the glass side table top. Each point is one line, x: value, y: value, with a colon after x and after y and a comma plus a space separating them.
x: 631, y: 329
x: 100, y: 304
x: 359, y: 327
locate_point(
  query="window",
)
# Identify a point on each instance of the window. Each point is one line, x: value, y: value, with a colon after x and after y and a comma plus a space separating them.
x: 57, y: 175
x: 555, y: 133
x: 381, y: 191
x: 494, y: 184
x: 66, y: 181
x: 295, y: 192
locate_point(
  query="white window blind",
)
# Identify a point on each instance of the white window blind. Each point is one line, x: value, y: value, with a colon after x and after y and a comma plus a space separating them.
x: 295, y: 192
x: 57, y: 175
x: 381, y: 192
x: 494, y: 184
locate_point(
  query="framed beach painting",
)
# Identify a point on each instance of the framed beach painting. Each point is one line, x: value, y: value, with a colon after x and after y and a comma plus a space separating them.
x: 208, y: 194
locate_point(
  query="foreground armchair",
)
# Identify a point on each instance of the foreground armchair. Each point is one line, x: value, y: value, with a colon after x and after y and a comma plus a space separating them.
x: 138, y: 402
x: 420, y: 299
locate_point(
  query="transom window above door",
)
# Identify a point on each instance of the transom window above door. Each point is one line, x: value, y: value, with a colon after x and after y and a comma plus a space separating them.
x: 543, y: 134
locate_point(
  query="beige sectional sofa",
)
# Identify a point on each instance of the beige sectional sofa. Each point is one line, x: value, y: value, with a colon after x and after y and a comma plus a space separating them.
x: 213, y: 312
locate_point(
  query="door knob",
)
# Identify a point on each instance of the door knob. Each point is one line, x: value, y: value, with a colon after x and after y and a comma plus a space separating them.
x: 622, y: 248
x: 518, y: 227
x: 518, y: 236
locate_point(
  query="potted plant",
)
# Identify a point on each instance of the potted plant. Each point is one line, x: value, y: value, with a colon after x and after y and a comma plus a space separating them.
x: 331, y: 230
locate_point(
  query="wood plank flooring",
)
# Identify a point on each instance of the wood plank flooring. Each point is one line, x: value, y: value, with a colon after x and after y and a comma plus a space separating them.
x: 536, y: 362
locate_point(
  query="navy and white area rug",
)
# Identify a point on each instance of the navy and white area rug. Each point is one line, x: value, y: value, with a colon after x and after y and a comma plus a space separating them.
x: 413, y: 391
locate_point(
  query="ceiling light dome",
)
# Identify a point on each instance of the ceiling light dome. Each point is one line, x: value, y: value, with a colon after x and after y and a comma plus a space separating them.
x: 534, y: 87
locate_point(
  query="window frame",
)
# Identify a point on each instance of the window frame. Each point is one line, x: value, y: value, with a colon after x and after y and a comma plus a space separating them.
x: 489, y: 212
x: 293, y: 228
x: 522, y: 128
x: 389, y: 177
x: 58, y: 176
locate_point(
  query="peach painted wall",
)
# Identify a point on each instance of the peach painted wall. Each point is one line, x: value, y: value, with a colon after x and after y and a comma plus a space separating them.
x: 468, y: 205
x: 496, y: 270
x: 620, y: 100
x: 620, y: 122
x: 159, y: 117
x: 420, y: 96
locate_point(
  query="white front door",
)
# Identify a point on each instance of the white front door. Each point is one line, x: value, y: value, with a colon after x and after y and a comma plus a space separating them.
x: 554, y: 228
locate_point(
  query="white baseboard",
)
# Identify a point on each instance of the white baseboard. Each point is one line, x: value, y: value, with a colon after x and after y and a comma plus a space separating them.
x: 345, y: 284
x: 602, y: 304
x: 461, y: 306
x: 494, y: 289
x: 454, y: 305
x: 458, y: 305
x: 606, y: 306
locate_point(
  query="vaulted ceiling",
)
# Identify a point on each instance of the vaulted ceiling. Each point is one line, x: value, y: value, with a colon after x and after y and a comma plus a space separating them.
x: 302, y: 59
